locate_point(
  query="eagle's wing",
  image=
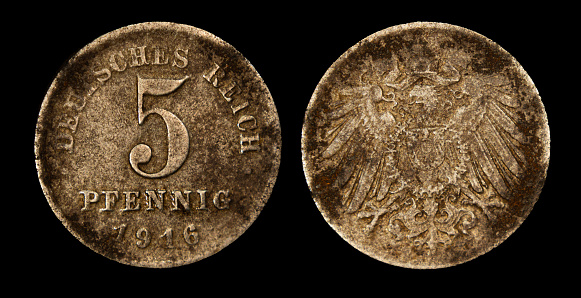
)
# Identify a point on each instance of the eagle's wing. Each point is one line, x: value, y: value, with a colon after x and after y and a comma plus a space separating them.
x: 363, y: 172
x: 490, y: 137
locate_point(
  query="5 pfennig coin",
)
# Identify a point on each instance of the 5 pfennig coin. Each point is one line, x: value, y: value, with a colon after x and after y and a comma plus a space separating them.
x: 157, y: 145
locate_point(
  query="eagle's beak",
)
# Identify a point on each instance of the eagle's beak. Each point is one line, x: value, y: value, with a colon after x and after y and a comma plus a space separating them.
x: 390, y: 99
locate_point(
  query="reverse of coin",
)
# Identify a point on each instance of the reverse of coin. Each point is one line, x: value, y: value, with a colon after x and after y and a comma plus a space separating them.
x: 157, y: 145
x: 425, y: 145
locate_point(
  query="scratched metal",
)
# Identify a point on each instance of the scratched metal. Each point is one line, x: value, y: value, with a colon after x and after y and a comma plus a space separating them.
x: 425, y: 145
x: 157, y: 145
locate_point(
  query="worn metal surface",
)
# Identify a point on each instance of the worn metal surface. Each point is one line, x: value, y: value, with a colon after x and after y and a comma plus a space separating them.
x: 157, y: 145
x: 425, y: 145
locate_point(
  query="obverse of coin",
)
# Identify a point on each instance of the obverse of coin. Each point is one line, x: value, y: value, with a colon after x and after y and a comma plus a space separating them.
x: 157, y: 145
x: 425, y: 145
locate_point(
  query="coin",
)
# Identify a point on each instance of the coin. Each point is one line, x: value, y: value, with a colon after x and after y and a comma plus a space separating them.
x: 425, y: 145
x: 157, y: 145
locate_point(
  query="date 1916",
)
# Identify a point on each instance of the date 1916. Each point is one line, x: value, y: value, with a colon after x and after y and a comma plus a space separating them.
x: 143, y: 236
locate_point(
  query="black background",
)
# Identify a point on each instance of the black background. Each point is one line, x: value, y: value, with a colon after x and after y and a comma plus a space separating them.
x: 290, y: 249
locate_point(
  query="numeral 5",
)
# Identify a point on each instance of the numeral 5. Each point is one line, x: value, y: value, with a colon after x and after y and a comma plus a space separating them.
x: 177, y: 134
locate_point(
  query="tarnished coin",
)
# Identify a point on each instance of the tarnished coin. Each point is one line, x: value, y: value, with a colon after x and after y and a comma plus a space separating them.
x: 425, y: 145
x: 157, y: 145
